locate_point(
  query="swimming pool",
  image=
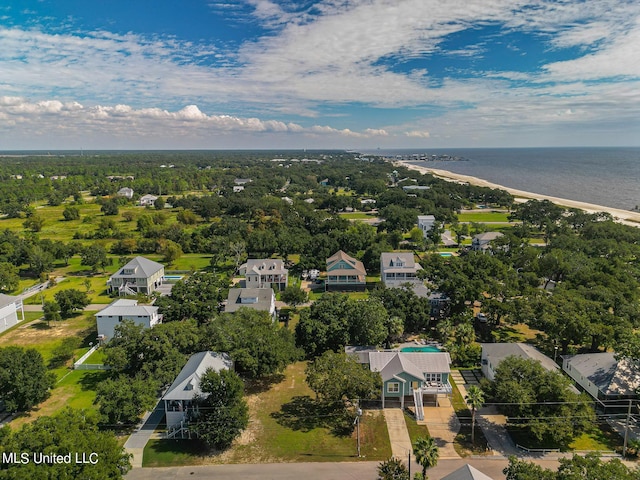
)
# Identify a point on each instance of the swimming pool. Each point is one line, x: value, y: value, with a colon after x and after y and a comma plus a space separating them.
x: 425, y: 349
x: 173, y: 277
x: 446, y: 254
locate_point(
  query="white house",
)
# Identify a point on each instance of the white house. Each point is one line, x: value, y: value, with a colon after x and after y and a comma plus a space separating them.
x: 426, y: 223
x: 261, y: 299
x: 147, y: 199
x: 125, y: 192
x: 494, y: 353
x: 261, y: 273
x: 140, y: 275
x: 179, y: 398
x: 122, y: 309
x: 9, y: 308
x: 602, y: 376
x: 399, y: 268
x: 482, y: 241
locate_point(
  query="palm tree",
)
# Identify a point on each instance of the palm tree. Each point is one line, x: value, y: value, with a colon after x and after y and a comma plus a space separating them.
x: 475, y: 400
x: 426, y: 452
x: 393, y: 469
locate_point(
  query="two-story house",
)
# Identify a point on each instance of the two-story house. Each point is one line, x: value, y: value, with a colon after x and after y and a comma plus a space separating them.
x: 179, y: 399
x: 9, y: 308
x: 261, y: 299
x: 265, y: 273
x: 140, y: 275
x: 345, y: 272
x: 426, y: 223
x: 482, y: 241
x: 399, y: 268
x: 122, y: 309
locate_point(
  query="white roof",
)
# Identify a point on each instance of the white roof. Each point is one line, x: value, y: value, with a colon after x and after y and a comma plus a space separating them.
x: 417, y: 364
x: 187, y: 384
x: 496, y: 352
x: 126, y: 307
x: 7, y: 300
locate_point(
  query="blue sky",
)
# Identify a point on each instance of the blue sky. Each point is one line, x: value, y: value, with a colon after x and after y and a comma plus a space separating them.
x: 318, y: 74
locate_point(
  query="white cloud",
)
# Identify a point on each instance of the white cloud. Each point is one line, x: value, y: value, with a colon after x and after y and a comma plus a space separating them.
x: 418, y: 134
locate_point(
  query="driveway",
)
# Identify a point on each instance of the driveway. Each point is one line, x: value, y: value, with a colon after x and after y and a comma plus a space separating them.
x: 443, y: 425
x: 398, y: 433
x: 493, y: 427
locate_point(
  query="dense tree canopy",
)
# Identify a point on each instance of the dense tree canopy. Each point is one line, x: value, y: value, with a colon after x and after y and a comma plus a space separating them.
x: 222, y: 412
x: 69, y: 431
x: 24, y: 378
x: 337, y: 377
x: 541, y: 401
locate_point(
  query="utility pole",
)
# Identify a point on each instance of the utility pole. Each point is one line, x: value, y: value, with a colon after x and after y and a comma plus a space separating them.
x: 626, y: 431
x: 409, y: 464
x: 357, y: 423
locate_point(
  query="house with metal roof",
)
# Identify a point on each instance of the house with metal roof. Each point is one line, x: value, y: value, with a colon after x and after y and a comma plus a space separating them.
x: 397, y: 268
x: 602, y: 376
x: 426, y: 223
x: 180, y: 398
x: 125, y: 192
x: 345, y: 272
x: 482, y: 241
x: 261, y: 299
x: 9, y: 308
x: 467, y: 472
x: 122, y: 309
x: 265, y: 273
x: 408, y: 376
x: 494, y: 353
x: 140, y: 275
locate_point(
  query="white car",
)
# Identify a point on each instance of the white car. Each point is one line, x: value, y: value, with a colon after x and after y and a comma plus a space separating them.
x: 482, y: 318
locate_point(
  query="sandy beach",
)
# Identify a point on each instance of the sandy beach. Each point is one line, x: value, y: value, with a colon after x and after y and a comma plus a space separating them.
x: 624, y: 216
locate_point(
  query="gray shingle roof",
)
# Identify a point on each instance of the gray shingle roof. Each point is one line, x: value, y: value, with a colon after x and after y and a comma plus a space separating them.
x: 187, y: 383
x: 496, y: 352
x: 234, y: 300
x: 143, y: 268
x: 610, y: 376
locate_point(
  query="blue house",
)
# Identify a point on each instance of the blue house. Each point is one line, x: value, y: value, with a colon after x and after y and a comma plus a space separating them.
x: 345, y: 272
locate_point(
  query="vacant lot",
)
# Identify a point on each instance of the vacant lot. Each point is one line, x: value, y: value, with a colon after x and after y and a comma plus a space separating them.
x: 287, y: 425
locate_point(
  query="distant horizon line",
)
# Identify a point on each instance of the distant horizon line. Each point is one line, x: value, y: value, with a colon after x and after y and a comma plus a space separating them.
x: 369, y: 150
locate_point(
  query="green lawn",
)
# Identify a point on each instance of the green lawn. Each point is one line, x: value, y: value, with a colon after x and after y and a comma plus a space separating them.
x: 481, y: 217
x: 287, y: 425
x: 415, y: 430
x: 357, y: 216
x: 45, y: 339
x: 77, y: 389
x: 462, y: 443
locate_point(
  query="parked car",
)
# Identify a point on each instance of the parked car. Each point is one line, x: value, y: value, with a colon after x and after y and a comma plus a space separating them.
x: 482, y: 318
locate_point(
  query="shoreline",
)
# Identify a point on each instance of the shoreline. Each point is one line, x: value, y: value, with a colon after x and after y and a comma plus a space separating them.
x: 627, y: 217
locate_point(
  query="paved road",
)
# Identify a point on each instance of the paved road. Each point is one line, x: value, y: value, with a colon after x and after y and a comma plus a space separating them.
x: 491, y: 466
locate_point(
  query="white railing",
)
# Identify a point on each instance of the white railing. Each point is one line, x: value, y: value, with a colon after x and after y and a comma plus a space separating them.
x: 417, y: 400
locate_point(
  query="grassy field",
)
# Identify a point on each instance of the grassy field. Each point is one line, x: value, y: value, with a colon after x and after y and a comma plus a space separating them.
x: 76, y: 390
x: 44, y: 338
x: 482, y: 217
x: 357, y: 216
x: 286, y: 425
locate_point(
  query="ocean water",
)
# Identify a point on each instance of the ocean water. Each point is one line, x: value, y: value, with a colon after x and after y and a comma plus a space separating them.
x: 602, y: 176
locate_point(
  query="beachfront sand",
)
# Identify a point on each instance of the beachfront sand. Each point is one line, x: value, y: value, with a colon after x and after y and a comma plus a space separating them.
x: 623, y: 216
